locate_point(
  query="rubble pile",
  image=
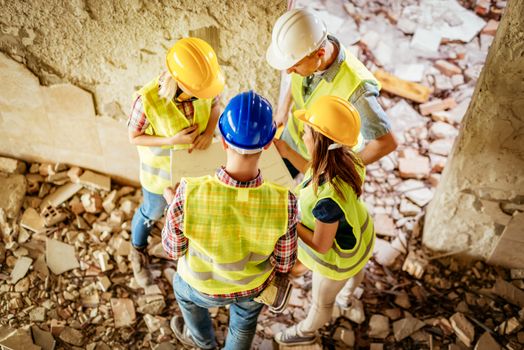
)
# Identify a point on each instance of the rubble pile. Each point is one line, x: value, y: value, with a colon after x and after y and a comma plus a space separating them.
x: 66, y: 281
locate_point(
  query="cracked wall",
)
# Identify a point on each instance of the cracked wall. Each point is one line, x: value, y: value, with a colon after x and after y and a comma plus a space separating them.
x: 110, y: 49
x: 481, y: 195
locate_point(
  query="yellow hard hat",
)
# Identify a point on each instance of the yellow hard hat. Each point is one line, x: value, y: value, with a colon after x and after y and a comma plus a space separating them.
x: 193, y: 63
x: 333, y: 117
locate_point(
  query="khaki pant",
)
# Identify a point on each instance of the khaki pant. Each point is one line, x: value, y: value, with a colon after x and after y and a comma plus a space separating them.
x: 324, y: 293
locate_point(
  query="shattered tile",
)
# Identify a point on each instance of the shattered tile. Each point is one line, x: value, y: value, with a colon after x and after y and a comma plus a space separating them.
x: 61, y: 194
x: 378, y: 326
x: 19, y: 271
x: 405, y: 327
x: 60, y: 257
x: 123, y: 312
x: 43, y: 339
x: 463, y: 328
x: 31, y: 220
x: 94, y: 180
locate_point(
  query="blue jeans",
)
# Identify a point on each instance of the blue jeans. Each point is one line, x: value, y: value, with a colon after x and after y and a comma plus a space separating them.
x: 243, y: 315
x: 151, y: 209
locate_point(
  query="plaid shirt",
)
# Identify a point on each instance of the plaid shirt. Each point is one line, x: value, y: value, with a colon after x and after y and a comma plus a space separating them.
x: 138, y: 120
x: 283, y: 257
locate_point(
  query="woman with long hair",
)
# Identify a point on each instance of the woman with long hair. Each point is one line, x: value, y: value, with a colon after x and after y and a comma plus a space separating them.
x: 336, y: 232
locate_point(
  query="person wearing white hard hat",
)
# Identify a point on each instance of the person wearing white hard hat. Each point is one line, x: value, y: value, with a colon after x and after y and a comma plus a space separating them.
x: 319, y: 65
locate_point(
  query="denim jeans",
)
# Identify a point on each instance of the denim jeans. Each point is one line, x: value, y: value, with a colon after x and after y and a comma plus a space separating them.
x: 151, y: 209
x: 243, y: 315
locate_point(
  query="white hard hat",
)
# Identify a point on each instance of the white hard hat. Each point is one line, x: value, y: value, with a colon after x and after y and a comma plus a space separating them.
x: 296, y: 34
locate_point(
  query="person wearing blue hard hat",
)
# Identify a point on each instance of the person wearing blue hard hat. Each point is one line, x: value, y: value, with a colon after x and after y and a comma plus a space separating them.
x: 231, y: 232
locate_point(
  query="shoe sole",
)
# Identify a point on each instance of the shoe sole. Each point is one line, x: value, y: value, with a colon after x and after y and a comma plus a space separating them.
x: 178, y: 335
x: 304, y: 342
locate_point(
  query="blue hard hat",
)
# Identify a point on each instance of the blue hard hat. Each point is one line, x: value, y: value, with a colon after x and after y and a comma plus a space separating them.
x: 247, y: 121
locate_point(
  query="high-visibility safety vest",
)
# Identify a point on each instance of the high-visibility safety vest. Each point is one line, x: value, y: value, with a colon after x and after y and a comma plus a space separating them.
x: 166, y: 120
x: 350, y: 75
x: 337, y: 263
x: 232, y: 232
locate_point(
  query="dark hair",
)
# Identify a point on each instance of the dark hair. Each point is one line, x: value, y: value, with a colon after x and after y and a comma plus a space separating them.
x: 340, y: 163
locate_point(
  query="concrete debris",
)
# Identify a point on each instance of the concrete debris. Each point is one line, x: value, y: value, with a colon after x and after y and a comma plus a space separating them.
x: 60, y: 257
x: 20, y: 269
x: 384, y: 225
x: 491, y: 27
x: 347, y: 336
x: 509, y: 292
x: 18, y: 339
x: 61, y: 194
x: 509, y: 326
x: 437, y: 105
x: 31, y: 220
x: 74, y: 174
x: 463, y: 328
x: 420, y: 197
x: 405, y: 327
x: 123, y: 312
x: 12, y: 194
x: 12, y: 166
x: 442, y: 147
x: 426, y: 40
x: 447, y: 68
x: 486, y: 342
x: 95, y: 304
x: 356, y: 312
x: 43, y: 339
x: 415, y: 167
x: 378, y: 326
x: 384, y: 253
x: 414, y: 264
x: 53, y: 216
x: 517, y: 274
x: 96, y: 181
x: 413, y: 72
x: 441, y: 130
x: 72, y: 336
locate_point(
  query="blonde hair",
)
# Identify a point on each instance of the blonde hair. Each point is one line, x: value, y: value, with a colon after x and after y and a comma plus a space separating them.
x: 167, y: 86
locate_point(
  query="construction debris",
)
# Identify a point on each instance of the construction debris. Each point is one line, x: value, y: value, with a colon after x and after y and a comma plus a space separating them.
x: 406, y: 301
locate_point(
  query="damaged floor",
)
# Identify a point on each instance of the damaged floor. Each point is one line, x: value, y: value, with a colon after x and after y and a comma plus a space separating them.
x: 66, y: 282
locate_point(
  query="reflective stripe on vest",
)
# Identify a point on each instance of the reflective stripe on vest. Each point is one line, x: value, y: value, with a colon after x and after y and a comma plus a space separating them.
x: 350, y: 75
x: 232, y: 266
x: 232, y: 233
x: 165, y: 120
x: 210, y: 276
x: 337, y: 263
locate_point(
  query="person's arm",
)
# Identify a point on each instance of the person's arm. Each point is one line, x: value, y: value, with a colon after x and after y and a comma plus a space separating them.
x: 173, y: 240
x: 138, y: 123
x: 378, y: 148
x: 375, y: 124
x: 322, y: 238
x: 300, y: 163
x: 285, y: 254
x: 203, y: 141
x: 185, y: 136
x: 283, y: 108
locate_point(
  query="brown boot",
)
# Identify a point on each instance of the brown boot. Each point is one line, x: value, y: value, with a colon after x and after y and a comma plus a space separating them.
x: 139, y: 265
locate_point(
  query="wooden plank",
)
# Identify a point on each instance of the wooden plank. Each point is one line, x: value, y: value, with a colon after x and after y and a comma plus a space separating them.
x: 412, y: 91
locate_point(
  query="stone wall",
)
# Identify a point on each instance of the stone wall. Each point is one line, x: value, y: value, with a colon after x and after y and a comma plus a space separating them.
x: 79, y: 63
x: 479, y: 202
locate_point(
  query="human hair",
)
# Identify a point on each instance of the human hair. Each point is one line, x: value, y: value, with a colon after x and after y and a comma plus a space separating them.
x: 167, y: 86
x: 334, y: 166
